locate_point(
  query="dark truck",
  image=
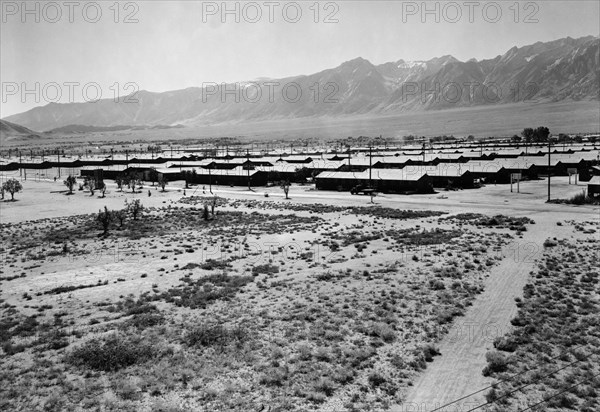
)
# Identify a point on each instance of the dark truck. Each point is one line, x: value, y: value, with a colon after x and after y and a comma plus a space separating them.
x: 363, y: 190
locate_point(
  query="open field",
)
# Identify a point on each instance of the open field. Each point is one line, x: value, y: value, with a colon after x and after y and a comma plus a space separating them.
x: 321, y: 302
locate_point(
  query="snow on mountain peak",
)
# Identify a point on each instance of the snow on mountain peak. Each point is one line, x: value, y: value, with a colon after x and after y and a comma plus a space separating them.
x: 529, y: 58
x: 409, y: 65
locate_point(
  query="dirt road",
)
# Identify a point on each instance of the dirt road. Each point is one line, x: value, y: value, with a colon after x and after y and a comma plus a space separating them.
x: 456, y: 375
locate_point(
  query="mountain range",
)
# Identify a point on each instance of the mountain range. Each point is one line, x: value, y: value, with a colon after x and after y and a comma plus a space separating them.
x: 564, y: 69
x: 11, y: 131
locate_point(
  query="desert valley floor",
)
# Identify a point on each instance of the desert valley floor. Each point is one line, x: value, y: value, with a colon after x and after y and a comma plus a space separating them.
x: 321, y: 302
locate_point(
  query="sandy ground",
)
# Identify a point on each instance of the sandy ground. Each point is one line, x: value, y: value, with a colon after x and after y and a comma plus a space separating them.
x: 454, y: 380
x: 455, y: 374
x: 45, y: 199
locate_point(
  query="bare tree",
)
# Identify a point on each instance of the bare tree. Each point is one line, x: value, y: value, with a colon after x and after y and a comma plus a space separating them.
x: 285, y: 185
x: 134, y: 208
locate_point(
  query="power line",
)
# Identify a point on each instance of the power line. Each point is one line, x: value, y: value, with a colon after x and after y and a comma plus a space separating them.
x: 530, y: 383
x: 500, y: 382
x: 559, y: 393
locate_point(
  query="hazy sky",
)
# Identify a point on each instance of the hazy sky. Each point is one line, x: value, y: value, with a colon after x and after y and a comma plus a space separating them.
x: 170, y: 45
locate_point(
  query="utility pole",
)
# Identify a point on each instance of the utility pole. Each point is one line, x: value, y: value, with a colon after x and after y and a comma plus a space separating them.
x: 248, y: 167
x: 20, y: 164
x: 349, y: 157
x: 370, y: 163
x: 548, y: 168
x: 58, y: 155
x: 372, y: 193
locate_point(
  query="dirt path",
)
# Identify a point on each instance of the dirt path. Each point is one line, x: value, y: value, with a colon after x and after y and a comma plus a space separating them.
x: 457, y: 373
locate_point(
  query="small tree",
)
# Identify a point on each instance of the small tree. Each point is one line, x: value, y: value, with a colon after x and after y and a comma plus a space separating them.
x: 134, y: 208
x: 119, y: 180
x: 153, y: 175
x: 134, y: 181
x: 126, y: 180
x: 285, y: 185
x: 162, y: 182
x: 12, y: 186
x: 104, y: 218
x: 120, y: 215
x: 541, y: 134
x: 90, y: 184
x: 70, y: 182
x: 102, y: 188
x: 528, y: 134
x: 187, y: 176
x: 213, y: 205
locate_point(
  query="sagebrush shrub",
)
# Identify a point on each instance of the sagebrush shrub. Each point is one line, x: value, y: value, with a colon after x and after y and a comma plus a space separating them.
x: 112, y: 353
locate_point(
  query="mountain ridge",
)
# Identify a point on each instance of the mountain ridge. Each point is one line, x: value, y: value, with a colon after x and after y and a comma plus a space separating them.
x: 9, y: 131
x: 562, y: 69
